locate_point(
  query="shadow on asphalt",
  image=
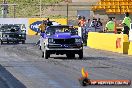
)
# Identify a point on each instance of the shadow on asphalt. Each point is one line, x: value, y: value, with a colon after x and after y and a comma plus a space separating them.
x: 18, y: 43
x: 10, y: 44
x: 97, y: 58
x: 31, y: 43
x: 9, y: 79
x: 85, y: 58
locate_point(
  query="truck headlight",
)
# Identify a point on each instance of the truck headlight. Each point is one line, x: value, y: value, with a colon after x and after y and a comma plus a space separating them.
x: 21, y: 35
x: 50, y: 40
x: 4, y: 35
x: 77, y: 40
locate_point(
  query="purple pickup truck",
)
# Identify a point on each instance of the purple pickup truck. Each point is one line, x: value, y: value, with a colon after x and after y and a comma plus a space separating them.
x: 61, y: 40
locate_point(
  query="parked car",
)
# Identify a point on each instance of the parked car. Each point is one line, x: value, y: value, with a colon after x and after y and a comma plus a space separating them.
x: 11, y: 33
x: 61, y: 39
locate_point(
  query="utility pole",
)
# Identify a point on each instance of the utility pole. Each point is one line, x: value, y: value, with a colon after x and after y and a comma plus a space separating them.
x: 14, y: 11
x: 4, y: 9
x: 40, y: 7
x: 67, y: 12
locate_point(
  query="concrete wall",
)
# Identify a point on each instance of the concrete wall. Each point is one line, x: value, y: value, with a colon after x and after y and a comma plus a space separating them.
x: 108, y: 41
x: 31, y: 24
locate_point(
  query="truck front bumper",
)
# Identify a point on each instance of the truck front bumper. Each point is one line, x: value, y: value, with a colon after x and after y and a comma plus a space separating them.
x: 10, y: 39
x: 64, y: 50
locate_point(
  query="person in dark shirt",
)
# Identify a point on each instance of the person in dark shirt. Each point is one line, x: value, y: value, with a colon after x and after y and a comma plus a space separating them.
x: 126, y: 23
x: 99, y: 25
x: 49, y: 23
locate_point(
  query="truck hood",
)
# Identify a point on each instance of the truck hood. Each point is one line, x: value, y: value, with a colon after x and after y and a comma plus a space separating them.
x: 63, y: 36
x: 9, y: 32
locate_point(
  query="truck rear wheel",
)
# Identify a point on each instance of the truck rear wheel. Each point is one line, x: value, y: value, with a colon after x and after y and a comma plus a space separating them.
x: 81, y: 54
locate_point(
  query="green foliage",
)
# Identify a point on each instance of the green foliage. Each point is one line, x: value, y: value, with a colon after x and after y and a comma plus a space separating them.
x: 27, y: 8
x: 55, y: 16
x: 32, y: 1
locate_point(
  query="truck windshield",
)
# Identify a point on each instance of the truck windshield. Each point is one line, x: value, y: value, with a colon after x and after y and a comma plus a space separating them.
x: 9, y: 28
x: 53, y: 30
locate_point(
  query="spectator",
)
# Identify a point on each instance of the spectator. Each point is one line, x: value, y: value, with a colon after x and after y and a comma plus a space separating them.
x: 79, y: 17
x: 115, y: 30
x: 126, y: 23
x: 88, y: 22
x: 110, y: 25
x: 88, y: 25
x: 82, y: 22
x: 88, y: 29
x: 42, y: 28
x: 49, y: 23
x: 99, y: 25
x: 93, y: 25
x: 72, y: 29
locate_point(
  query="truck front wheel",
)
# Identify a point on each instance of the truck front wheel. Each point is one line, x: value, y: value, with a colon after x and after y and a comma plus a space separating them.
x: 45, y: 54
x: 23, y: 42
x: 1, y: 42
x: 70, y: 55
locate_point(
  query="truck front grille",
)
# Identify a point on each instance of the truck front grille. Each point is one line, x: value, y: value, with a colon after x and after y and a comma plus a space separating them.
x: 64, y: 41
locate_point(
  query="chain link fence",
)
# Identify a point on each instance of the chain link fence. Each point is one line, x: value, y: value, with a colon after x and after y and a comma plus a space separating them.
x: 46, y: 10
x: 68, y: 11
